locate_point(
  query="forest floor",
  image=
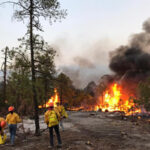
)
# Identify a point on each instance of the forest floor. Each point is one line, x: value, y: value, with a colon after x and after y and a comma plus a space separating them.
x: 87, y: 131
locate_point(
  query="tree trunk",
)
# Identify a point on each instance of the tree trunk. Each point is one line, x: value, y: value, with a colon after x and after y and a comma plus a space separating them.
x: 5, y: 75
x: 46, y: 89
x: 36, y: 113
x: 61, y: 92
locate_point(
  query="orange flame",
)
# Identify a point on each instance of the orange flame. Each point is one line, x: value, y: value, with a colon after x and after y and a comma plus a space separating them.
x: 53, y: 99
x: 115, y: 100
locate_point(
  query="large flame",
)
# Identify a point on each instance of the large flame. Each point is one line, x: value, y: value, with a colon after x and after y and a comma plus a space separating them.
x: 115, y: 99
x: 53, y: 99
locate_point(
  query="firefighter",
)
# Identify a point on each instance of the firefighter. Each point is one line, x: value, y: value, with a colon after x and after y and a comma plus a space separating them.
x: 63, y: 114
x: 2, y: 134
x: 12, y: 119
x: 52, y: 118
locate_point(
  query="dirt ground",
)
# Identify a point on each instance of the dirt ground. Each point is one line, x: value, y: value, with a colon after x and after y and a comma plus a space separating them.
x: 89, y: 131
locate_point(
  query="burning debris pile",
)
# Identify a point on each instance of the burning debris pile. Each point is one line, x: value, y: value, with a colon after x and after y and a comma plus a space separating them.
x: 131, y: 65
x: 116, y: 99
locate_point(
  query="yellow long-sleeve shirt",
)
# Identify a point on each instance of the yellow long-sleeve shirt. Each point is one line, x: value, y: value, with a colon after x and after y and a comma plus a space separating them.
x: 50, y: 119
x: 62, y: 111
x: 13, y: 118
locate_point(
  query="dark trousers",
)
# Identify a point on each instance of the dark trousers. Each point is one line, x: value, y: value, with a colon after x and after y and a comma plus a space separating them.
x: 12, y: 130
x: 56, y: 128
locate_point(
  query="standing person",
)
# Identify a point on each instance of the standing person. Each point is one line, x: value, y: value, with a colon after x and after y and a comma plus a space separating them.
x: 12, y: 119
x: 63, y: 114
x: 52, y: 120
x: 2, y: 134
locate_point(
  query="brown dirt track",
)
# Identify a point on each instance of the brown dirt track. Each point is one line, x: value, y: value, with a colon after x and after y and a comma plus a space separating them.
x: 91, y: 131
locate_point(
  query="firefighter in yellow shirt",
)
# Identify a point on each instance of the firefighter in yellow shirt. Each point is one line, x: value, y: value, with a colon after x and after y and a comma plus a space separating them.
x: 12, y: 119
x: 2, y: 134
x: 63, y: 114
x: 52, y: 118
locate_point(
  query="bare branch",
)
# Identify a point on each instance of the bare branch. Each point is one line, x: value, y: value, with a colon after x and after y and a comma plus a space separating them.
x: 14, y: 3
x: 2, y: 66
x: 9, y: 2
x: 22, y: 55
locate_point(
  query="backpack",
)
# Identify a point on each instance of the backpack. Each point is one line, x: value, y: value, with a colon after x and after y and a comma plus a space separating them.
x: 53, y: 120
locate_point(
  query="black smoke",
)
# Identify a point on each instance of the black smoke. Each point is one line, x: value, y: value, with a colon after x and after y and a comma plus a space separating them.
x: 133, y: 61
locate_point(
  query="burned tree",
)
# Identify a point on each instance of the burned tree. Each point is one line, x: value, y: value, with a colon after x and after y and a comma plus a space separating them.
x: 33, y: 10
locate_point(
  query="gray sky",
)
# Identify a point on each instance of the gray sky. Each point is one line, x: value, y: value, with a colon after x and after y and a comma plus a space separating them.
x: 84, y: 39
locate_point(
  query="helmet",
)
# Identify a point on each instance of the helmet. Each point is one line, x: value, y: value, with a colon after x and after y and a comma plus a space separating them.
x: 51, y: 104
x: 3, y: 123
x: 11, y: 108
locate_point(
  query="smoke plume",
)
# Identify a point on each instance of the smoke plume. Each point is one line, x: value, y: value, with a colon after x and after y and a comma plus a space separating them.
x: 85, y: 62
x: 133, y: 61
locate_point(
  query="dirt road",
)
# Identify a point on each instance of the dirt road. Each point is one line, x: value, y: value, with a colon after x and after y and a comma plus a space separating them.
x: 90, y: 131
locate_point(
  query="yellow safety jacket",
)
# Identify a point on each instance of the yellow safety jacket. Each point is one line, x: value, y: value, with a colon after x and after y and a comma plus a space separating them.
x: 62, y: 111
x: 3, y: 139
x: 13, y: 118
x: 2, y: 134
x: 52, y: 118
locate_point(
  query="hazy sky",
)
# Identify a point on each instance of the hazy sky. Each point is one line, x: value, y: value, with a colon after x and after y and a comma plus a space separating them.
x: 91, y: 29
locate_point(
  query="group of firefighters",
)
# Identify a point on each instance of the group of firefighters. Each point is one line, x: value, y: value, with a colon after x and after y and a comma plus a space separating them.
x: 53, y: 118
